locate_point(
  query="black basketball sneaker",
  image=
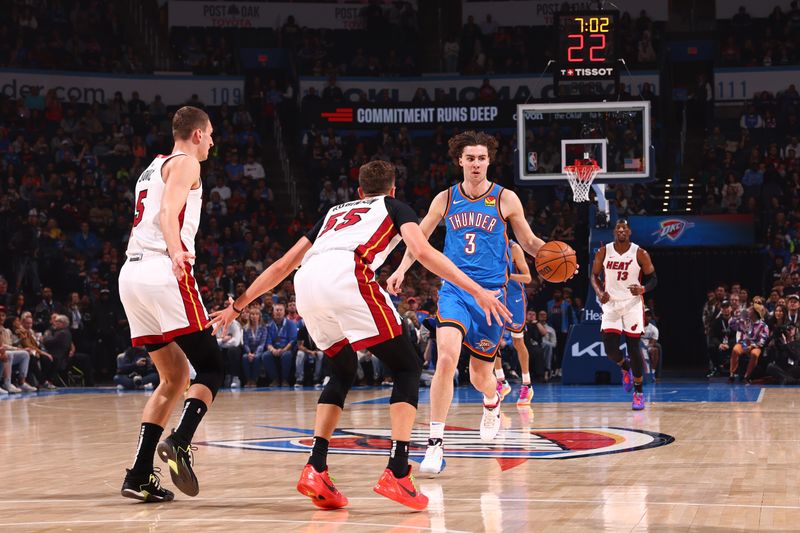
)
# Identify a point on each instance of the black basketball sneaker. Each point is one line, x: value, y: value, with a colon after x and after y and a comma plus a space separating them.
x: 180, y: 460
x: 146, y: 488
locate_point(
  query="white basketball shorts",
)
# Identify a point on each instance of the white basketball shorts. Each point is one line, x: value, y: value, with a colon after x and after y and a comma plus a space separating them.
x: 341, y: 303
x: 158, y: 306
x: 623, y: 316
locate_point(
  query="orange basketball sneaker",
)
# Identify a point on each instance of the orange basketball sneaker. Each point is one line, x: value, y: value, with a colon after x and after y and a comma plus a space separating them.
x: 319, y: 487
x: 402, y: 490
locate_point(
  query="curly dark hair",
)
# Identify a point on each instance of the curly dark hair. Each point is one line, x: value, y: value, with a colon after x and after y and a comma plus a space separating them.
x: 457, y: 143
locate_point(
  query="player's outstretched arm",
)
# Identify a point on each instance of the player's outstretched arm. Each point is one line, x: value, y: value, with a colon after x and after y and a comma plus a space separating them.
x: 180, y: 174
x: 594, y: 276
x: 427, y: 225
x: 524, y: 271
x: 267, y: 280
x: 511, y: 208
x: 439, y: 264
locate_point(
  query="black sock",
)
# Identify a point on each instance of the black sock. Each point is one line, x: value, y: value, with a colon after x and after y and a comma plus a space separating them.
x: 319, y: 454
x: 625, y: 365
x: 193, y: 411
x: 398, y: 458
x: 637, y: 387
x: 148, y: 440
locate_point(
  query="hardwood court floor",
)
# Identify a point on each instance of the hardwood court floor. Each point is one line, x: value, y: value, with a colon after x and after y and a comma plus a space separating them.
x: 733, y: 464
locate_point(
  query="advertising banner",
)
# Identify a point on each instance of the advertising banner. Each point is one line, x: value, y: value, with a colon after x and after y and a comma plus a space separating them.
x: 333, y: 16
x: 88, y: 88
x: 697, y: 231
x: 355, y: 116
x: 540, y: 12
x: 464, y: 88
x: 744, y: 83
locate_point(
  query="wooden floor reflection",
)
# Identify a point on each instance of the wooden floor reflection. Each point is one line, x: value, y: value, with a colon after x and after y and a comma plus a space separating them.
x: 567, y: 465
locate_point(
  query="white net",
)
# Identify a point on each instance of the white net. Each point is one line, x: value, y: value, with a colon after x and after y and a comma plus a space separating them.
x: 580, y: 178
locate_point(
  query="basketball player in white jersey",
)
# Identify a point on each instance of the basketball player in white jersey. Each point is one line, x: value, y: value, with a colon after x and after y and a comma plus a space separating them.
x: 164, y: 309
x: 624, y: 265
x: 346, y: 310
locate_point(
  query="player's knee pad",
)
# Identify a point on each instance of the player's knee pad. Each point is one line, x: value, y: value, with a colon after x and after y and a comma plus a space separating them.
x: 399, y: 355
x: 343, y: 373
x: 202, y: 350
x: 611, y: 344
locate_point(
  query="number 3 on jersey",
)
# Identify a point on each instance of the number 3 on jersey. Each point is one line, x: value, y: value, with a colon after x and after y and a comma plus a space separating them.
x: 350, y: 218
x: 138, y: 213
x: 470, y: 247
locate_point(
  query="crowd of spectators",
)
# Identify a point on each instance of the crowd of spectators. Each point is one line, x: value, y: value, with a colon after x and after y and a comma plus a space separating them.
x: 67, y: 35
x: 752, y: 337
x: 751, y: 165
x: 745, y: 41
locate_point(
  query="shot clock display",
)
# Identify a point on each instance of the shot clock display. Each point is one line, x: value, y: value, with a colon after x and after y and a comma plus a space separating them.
x: 586, y: 42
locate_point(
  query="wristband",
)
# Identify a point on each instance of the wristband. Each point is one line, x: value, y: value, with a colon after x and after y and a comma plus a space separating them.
x: 238, y: 311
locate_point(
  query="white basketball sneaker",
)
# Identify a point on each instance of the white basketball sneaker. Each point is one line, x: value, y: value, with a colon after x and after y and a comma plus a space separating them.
x: 434, y: 457
x: 490, y: 422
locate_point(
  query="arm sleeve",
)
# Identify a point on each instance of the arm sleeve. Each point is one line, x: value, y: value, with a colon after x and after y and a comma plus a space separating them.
x: 399, y: 212
x: 313, y: 232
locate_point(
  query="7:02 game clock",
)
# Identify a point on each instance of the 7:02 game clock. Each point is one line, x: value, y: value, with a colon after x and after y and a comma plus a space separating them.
x: 586, y: 46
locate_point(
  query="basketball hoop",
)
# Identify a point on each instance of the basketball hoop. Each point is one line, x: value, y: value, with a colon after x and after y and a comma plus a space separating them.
x: 580, y: 177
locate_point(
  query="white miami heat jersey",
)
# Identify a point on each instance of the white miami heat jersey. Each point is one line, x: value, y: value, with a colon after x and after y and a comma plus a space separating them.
x: 621, y: 271
x: 146, y: 235
x: 369, y: 227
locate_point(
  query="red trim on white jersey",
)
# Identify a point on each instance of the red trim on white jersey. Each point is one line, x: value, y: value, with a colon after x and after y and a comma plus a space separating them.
x: 334, y: 350
x: 382, y: 313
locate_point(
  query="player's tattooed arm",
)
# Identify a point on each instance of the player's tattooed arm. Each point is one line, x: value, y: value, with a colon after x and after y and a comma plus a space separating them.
x: 594, y: 276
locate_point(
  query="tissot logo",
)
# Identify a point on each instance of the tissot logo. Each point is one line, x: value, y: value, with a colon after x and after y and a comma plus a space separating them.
x: 342, y: 114
x: 519, y: 443
x: 573, y: 72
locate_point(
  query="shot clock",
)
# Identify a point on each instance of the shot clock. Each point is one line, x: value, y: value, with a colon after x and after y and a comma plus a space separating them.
x: 586, y: 46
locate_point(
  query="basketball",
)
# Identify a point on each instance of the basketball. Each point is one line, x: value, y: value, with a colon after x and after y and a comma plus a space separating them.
x: 556, y: 261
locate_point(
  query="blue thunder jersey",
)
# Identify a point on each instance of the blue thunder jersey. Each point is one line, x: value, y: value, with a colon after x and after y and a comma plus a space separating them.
x: 516, y: 301
x: 476, y: 239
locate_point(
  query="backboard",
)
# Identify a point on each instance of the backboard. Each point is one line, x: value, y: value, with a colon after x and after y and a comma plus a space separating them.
x: 615, y: 134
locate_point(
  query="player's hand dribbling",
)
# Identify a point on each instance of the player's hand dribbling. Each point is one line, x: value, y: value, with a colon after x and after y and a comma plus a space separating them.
x: 223, y: 318
x: 178, y: 262
x: 604, y: 298
x: 394, y: 283
x: 492, y: 306
x: 636, y: 289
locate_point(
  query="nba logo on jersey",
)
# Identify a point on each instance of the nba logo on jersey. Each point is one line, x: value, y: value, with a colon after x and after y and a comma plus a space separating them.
x: 533, y: 162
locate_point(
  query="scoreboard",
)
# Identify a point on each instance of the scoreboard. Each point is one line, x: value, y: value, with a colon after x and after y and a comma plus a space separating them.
x: 586, y: 48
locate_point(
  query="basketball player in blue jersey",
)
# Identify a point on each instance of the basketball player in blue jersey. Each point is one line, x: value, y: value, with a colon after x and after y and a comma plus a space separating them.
x: 516, y: 302
x: 477, y: 214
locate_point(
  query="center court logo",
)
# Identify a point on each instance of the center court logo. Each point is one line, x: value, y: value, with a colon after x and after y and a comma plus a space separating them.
x: 517, y: 443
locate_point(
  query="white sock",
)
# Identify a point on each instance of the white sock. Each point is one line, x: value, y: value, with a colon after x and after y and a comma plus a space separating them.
x: 436, y: 430
x: 499, y: 374
x: 494, y: 400
x: 526, y: 378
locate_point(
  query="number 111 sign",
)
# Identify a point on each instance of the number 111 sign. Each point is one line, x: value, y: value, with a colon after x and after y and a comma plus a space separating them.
x: 586, y: 42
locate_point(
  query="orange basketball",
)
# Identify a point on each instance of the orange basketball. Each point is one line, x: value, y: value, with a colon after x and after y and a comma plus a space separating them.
x: 556, y: 261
